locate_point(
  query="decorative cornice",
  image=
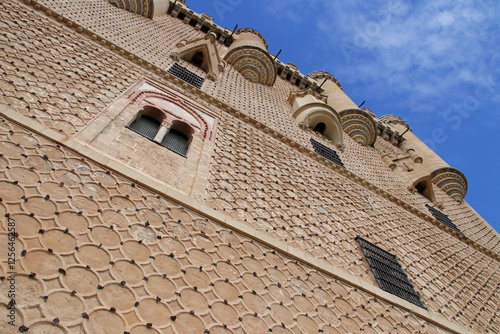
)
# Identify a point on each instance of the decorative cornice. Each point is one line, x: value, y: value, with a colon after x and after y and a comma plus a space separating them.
x: 185, y: 88
x: 385, y: 132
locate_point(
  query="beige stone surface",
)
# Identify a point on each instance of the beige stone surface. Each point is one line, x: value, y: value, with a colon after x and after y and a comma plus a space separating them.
x: 112, y: 257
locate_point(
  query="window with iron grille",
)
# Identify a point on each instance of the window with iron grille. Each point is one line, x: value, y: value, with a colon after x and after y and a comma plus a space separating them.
x: 186, y: 75
x: 145, y: 126
x: 388, y: 272
x: 327, y: 152
x: 443, y: 218
x: 176, y: 141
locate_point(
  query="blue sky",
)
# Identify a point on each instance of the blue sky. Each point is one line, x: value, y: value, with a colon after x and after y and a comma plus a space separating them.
x: 435, y: 63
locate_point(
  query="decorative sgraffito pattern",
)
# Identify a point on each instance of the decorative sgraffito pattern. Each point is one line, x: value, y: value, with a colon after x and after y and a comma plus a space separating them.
x: 309, y: 206
x: 99, y: 254
x: 48, y: 74
x: 268, y: 105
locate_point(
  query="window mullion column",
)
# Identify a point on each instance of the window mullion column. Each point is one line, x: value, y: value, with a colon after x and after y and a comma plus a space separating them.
x: 162, y: 132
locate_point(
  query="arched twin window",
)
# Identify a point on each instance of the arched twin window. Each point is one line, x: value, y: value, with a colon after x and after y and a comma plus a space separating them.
x: 175, y: 137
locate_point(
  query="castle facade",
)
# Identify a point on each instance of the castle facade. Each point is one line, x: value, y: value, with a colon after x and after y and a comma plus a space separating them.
x: 162, y: 174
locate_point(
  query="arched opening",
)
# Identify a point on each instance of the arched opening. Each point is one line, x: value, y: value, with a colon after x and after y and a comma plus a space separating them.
x: 197, y: 59
x: 424, y: 188
x: 146, y: 126
x: 320, y: 127
x: 321, y: 118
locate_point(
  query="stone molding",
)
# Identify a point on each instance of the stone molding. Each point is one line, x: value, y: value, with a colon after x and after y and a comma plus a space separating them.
x: 359, y: 125
x: 185, y: 88
x: 303, y: 93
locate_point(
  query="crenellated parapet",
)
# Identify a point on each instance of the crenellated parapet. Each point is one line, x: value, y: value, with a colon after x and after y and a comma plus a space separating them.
x: 452, y: 181
x: 146, y: 8
x: 248, y: 55
x: 387, y: 133
x: 291, y: 73
x: 359, y: 125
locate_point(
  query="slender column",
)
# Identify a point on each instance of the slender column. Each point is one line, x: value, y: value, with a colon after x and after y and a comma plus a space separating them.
x: 162, y: 132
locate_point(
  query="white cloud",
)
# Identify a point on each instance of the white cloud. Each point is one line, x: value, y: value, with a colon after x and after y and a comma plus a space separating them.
x: 425, y: 49
x: 420, y: 57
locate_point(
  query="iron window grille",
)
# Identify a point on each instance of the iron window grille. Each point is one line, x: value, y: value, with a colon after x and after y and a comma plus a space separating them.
x: 443, y: 218
x: 145, y: 126
x: 327, y: 152
x: 186, y: 75
x: 388, y: 272
x: 176, y: 141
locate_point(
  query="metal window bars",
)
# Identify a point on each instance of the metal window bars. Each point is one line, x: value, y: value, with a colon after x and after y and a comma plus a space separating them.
x: 388, y: 272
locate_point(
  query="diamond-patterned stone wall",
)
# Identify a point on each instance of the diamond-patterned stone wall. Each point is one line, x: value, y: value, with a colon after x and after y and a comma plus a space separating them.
x: 98, y: 254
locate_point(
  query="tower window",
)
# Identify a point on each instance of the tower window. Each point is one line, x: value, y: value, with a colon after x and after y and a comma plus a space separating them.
x: 186, y: 75
x: 388, y: 273
x: 176, y: 141
x: 145, y: 126
x: 443, y: 218
x: 197, y: 59
x: 320, y: 127
x: 327, y: 152
x: 424, y: 188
